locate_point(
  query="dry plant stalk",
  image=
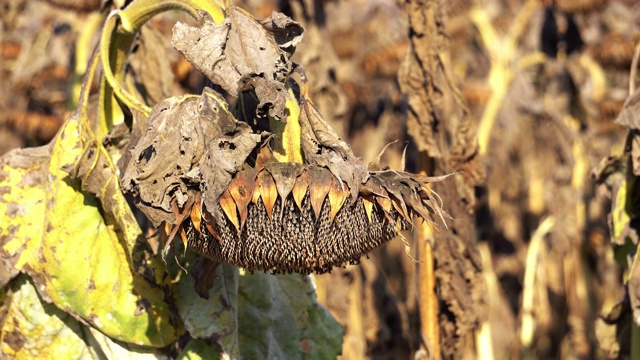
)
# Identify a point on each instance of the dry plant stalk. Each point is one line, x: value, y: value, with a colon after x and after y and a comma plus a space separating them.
x: 430, y: 328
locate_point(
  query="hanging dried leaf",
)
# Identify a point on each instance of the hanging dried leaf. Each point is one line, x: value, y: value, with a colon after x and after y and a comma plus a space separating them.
x: 241, y: 54
x: 166, y: 159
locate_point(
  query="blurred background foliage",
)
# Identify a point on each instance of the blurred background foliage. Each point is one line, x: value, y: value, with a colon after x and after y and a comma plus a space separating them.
x: 520, y: 97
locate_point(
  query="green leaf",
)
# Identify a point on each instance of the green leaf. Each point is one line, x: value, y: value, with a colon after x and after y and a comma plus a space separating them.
x: 281, y: 319
x: 199, y: 350
x: 215, y: 317
x: 258, y: 316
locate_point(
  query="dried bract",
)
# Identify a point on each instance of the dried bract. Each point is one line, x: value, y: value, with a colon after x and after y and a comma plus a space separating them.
x: 214, y: 180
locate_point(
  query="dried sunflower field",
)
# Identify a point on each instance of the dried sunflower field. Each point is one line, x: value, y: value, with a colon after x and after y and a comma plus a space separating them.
x: 300, y: 179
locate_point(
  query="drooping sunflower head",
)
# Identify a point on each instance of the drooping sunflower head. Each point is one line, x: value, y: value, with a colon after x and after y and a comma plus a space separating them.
x: 307, y: 206
x: 217, y: 185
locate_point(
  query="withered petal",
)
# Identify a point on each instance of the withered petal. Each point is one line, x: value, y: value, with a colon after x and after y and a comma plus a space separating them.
x: 300, y: 188
x: 401, y: 208
x: 385, y: 204
x: 368, y: 207
x: 337, y: 196
x: 266, y: 188
x: 241, y: 189
x: 183, y: 236
x: 373, y: 186
x: 229, y: 208
x: 196, y: 214
x: 320, y: 183
x: 285, y: 175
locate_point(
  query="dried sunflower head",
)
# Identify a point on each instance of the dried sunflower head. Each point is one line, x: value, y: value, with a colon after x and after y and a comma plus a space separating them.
x: 191, y: 169
x: 214, y: 181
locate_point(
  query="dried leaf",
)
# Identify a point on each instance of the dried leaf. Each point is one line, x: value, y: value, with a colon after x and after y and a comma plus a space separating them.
x: 166, y: 159
x: 322, y: 146
x: 224, y: 158
x: 240, y: 54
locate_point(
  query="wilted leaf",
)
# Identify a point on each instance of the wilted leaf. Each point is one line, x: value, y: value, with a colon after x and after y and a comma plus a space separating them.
x: 241, y: 54
x: 322, y: 146
x: 166, y: 157
x: 282, y: 320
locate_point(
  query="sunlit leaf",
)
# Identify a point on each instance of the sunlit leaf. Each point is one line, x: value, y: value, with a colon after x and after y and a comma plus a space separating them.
x: 33, y: 329
x: 76, y: 259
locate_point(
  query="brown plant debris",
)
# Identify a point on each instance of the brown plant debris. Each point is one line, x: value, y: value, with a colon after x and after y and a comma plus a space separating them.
x: 242, y: 54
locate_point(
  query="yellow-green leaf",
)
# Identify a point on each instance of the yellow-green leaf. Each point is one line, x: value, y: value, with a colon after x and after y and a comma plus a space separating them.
x: 57, y: 234
x: 36, y: 330
x: 22, y: 203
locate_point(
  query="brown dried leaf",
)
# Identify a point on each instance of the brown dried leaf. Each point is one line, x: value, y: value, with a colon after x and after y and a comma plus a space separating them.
x: 165, y: 159
x: 224, y: 158
x: 300, y: 188
x: 322, y: 146
x: 241, y: 54
x: 320, y: 183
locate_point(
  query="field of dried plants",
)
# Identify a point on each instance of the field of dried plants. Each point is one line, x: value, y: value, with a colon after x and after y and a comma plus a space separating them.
x: 519, y: 119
